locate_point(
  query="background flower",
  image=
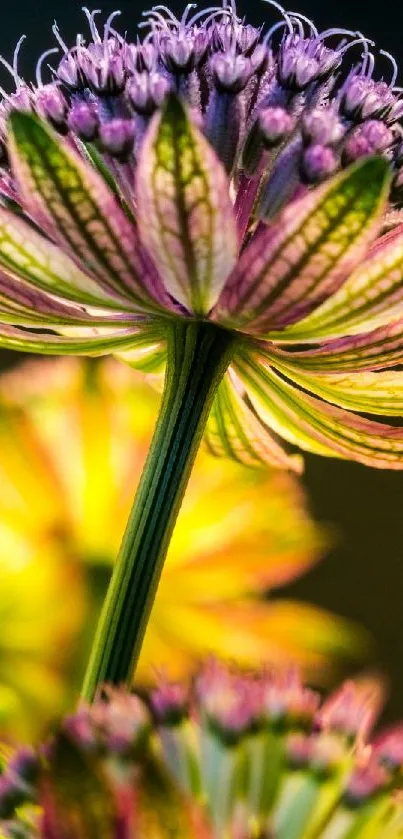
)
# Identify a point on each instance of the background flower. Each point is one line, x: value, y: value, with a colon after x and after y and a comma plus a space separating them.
x: 73, y: 438
x: 232, y: 756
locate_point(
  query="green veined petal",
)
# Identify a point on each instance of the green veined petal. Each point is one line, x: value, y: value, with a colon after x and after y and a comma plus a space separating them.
x: 87, y: 342
x: 186, y: 219
x: 287, y: 271
x: 234, y: 430
x: 75, y: 206
x: 370, y: 298
x: 317, y: 426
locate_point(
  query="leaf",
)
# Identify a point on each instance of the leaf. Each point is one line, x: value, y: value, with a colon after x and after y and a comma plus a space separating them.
x: 72, y: 202
x: 317, y: 426
x: 370, y: 298
x: 234, y: 430
x: 290, y: 268
x: 78, y: 802
x: 90, y: 343
x: 186, y: 218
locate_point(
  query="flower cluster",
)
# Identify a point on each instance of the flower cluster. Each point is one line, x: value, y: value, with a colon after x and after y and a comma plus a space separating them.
x: 179, y: 190
x: 231, y: 756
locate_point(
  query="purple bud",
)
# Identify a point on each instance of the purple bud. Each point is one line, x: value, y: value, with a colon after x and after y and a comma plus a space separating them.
x: 379, y: 136
x: 83, y: 121
x: 69, y: 72
x: 141, y: 57
x: 364, y: 782
x: 51, y: 104
x: 388, y: 748
x: 318, y: 163
x: 117, y: 137
x: 297, y: 68
x: 170, y: 703
x: 231, y: 73
x: 355, y: 147
x: 275, y: 124
x: 363, y: 98
x: 322, y: 126
x: 146, y: 92
x: 177, y: 53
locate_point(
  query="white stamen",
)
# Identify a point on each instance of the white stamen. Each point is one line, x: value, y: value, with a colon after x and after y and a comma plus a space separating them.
x: 11, y: 68
x: 166, y: 11
x: 38, y: 71
x: 329, y: 32
x: 212, y: 12
x: 272, y: 30
x: 394, y: 66
x: 107, y: 28
x: 185, y: 15
x: 362, y: 41
x: 59, y: 39
x: 312, y: 27
x: 16, y: 54
x: 283, y: 12
x: 91, y: 21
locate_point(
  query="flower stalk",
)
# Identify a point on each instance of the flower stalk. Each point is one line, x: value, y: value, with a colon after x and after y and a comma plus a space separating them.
x: 198, y: 356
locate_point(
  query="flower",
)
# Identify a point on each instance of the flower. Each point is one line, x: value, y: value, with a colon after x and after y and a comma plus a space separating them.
x: 63, y: 510
x: 213, y: 172
x: 232, y: 756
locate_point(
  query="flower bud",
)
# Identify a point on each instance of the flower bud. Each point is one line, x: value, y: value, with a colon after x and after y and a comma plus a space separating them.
x: 117, y: 137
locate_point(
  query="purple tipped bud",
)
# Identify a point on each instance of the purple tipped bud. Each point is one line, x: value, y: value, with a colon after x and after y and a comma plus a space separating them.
x: 83, y: 121
x: 231, y: 704
x: 177, y: 53
x: 69, y: 72
x: 146, y: 92
x: 302, y: 61
x: 299, y: 750
x: 141, y: 57
x: 51, y: 104
x: 379, y: 136
x: 327, y: 754
x: 322, y: 126
x: 363, y: 98
x: 351, y: 710
x: 231, y: 73
x: 365, y: 782
x: 170, y: 703
x: 117, y: 137
x: 355, y: 147
x: 285, y: 699
x: 318, y: 163
x: 275, y: 124
x: 388, y: 748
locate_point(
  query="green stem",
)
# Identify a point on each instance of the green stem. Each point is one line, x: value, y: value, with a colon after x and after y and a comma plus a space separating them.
x: 198, y: 356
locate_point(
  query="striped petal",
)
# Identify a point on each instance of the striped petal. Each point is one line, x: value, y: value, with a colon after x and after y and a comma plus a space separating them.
x: 72, y: 202
x: 235, y: 430
x: 370, y: 298
x: 317, y: 426
x: 186, y: 219
x: 378, y: 393
x: 90, y: 343
x: 381, y: 348
x: 292, y: 267
x: 26, y: 254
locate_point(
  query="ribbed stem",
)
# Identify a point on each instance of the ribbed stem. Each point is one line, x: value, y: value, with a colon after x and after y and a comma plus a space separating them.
x: 198, y: 356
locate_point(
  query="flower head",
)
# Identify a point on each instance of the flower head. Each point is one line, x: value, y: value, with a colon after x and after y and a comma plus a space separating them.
x: 63, y: 511
x: 216, y: 759
x: 213, y: 171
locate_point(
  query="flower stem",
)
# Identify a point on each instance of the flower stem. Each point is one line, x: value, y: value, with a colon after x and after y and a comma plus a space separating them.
x: 198, y: 356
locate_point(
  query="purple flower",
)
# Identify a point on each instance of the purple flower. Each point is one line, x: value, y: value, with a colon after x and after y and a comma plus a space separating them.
x: 202, y: 174
x: 235, y: 755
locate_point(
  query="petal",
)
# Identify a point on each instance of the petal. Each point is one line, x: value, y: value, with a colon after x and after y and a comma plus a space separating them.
x: 24, y: 253
x: 292, y: 267
x: 381, y: 348
x: 317, y: 426
x: 186, y: 219
x: 89, y: 343
x: 235, y: 430
x: 371, y: 393
x: 76, y: 207
x: 371, y: 297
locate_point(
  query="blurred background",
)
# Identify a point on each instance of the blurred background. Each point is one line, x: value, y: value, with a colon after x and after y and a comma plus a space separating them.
x: 361, y: 576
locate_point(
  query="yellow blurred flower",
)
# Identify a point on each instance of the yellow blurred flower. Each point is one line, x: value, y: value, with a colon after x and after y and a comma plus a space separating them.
x: 73, y: 438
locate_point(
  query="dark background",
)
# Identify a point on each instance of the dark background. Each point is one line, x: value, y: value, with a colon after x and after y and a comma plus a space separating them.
x: 362, y: 578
